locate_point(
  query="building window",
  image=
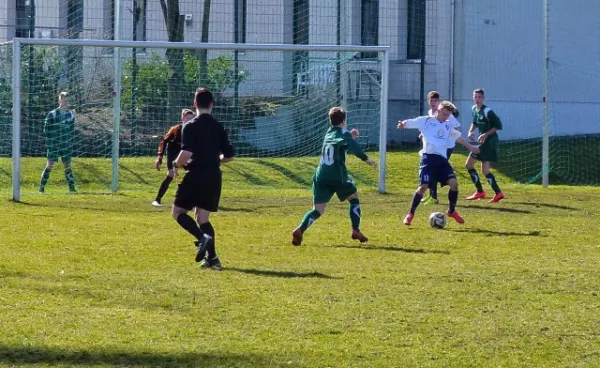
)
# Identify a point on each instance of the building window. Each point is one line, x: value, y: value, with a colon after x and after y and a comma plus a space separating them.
x: 369, y: 26
x: 416, y: 30
x: 300, y: 37
x: 241, y: 16
x: 24, y: 23
x: 74, y: 18
x: 139, y: 33
x: 108, y: 20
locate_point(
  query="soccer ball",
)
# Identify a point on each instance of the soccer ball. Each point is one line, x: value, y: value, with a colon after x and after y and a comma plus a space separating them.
x: 437, y: 220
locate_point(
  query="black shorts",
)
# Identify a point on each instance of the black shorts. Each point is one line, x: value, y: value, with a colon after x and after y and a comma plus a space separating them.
x: 199, y: 189
x: 170, y: 158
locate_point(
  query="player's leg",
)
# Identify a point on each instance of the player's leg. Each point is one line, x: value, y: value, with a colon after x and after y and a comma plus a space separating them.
x: 184, y: 202
x: 164, y: 185
x: 453, y: 199
x: 52, y: 158
x: 207, y: 195
x: 433, y: 194
x: 322, y: 193
x: 485, y: 169
x: 207, y: 255
x: 416, y: 199
x: 470, y: 166
x: 66, y: 160
x: 425, y: 176
x: 347, y: 191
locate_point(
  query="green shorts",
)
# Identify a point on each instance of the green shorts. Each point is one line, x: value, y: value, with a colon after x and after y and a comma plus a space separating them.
x: 487, y: 152
x: 53, y: 155
x: 323, y: 191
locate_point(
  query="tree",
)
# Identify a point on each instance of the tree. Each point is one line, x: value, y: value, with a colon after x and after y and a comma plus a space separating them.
x: 174, y: 23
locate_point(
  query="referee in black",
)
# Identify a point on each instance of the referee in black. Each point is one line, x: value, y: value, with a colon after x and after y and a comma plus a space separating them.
x: 204, y: 147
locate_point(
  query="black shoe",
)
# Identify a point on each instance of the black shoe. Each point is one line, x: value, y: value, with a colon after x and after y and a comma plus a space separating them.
x: 41, y: 189
x: 202, y: 246
x: 214, y: 263
x: 72, y: 190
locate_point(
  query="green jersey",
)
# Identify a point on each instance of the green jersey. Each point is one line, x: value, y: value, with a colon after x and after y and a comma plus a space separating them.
x: 485, y: 119
x: 336, y: 144
x: 59, y: 128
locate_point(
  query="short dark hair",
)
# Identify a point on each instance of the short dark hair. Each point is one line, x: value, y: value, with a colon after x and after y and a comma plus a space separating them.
x: 204, y: 98
x: 433, y: 94
x: 337, y: 115
x: 480, y: 91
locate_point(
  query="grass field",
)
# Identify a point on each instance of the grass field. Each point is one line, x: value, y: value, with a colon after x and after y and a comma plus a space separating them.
x: 100, y: 280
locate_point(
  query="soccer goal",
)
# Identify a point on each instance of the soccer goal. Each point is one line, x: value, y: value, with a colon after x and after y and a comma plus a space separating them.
x: 272, y: 99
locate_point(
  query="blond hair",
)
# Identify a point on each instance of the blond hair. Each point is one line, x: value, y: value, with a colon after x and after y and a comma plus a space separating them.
x: 449, y: 106
x: 185, y: 112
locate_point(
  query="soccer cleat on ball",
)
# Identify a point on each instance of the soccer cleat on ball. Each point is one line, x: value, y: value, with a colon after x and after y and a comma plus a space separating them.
x: 408, y: 219
x: 357, y: 235
x: 437, y: 220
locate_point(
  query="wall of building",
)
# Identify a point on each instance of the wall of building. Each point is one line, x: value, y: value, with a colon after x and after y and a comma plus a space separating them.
x: 499, y: 47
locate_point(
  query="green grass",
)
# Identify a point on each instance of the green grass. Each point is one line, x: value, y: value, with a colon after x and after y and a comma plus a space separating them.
x: 104, y: 280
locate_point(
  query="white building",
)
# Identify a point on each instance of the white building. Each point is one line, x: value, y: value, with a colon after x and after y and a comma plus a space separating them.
x: 495, y: 45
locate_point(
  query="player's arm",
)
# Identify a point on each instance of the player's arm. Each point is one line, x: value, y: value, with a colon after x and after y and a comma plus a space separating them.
x: 48, y: 122
x: 417, y: 123
x: 496, y: 126
x: 226, y: 147
x: 455, y: 134
x: 187, y: 137
x: 162, y: 147
x: 355, y: 149
x: 454, y: 121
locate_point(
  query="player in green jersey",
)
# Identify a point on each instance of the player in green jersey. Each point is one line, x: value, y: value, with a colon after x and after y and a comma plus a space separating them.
x: 487, y: 123
x: 331, y: 176
x: 59, y: 129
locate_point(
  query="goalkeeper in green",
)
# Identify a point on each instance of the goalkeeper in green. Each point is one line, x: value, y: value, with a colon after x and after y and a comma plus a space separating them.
x: 59, y: 129
x: 331, y: 176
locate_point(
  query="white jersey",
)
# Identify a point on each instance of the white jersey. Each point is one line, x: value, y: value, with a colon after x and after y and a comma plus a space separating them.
x: 453, y: 120
x: 437, y: 136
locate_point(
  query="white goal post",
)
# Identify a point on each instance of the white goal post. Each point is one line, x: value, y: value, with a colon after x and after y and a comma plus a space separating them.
x: 17, y: 48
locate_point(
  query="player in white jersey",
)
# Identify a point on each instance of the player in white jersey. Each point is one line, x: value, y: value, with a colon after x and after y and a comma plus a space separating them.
x: 438, y: 135
x: 433, y: 99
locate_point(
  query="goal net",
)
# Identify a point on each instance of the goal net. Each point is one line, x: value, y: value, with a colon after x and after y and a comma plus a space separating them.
x: 273, y: 101
x: 548, y: 63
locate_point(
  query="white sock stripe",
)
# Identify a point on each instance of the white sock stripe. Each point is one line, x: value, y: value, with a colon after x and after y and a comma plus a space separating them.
x: 355, y: 210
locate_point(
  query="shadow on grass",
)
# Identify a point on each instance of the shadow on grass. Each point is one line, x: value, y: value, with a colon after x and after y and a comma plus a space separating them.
x: 286, y: 172
x: 549, y: 205
x: 75, y: 206
x: 231, y: 209
x: 20, y: 355
x: 283, y: 274
x: 5, y: 173
x: 248, y: 177
x: 92, y: 172
x: 499, y: 233
x: 393, y: 249
x: 498, y: 209
x: 135, y: 174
